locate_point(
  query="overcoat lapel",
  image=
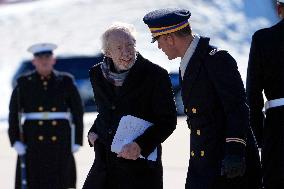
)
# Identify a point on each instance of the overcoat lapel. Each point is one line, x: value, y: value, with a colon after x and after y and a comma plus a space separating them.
x: 193, y: 68
x: 135, y: 76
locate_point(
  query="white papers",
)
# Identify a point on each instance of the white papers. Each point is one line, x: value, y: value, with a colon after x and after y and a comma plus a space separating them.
x: 130, y: 128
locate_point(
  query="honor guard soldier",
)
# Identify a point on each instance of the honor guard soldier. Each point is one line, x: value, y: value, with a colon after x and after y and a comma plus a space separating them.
x: 266, y: 74
x: 45, y: 124
x: 223, y: 153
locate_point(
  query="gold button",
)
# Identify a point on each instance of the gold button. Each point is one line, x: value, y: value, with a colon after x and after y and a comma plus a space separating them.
x: 192, y: 153
x: 54, y: 123
x: 198, y: 132
x: 40, y: 137
x: 193, y: 110
x: 40, y: 108
x: 41, y: 77
x: 53, y: 138
x: 53, y: 109
x: 202, y: 153
x: 186, y: 110
x: 40, y: 122
x: 44, y: 83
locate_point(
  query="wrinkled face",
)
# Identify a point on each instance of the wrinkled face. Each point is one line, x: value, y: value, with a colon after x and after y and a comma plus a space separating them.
x: 165, y: 42
x: 121, y: 49
x: 44, y: 64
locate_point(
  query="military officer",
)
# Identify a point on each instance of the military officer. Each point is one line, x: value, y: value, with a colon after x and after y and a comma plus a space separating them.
x: 223, y: 152
x: 52, y: 113
x: 265, y: 73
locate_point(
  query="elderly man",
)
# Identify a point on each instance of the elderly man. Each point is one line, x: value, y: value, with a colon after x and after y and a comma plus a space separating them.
x: 127, y: 85
x: 266, y: 74
x: 223, y: 151
x: 51, y: 107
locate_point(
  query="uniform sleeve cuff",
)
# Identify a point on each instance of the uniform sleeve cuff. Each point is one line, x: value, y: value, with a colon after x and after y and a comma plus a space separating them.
x: 233, y: 147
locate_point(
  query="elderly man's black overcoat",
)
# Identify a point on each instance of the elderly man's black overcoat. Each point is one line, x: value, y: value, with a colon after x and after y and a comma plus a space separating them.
x: 146, y: 93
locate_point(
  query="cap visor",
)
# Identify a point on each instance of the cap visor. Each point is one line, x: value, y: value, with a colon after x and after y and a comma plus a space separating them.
x: 153, y: 40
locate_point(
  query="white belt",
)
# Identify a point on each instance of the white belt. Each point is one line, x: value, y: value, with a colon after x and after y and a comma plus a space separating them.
x: 46, y: 115
x: 273, y: 103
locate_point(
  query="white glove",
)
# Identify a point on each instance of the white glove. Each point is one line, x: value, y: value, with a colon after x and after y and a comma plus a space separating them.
x: 20, y: 148
x: 92, y: 137
x: 75, y: 148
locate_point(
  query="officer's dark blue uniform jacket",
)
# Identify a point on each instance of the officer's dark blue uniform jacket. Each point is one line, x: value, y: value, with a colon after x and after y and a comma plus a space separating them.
x: 49, y: 159
x: 266, y: 74
x: 215, y: 104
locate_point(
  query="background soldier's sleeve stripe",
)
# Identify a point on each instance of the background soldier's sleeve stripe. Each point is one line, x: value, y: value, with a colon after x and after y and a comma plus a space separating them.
x: 236, y: 140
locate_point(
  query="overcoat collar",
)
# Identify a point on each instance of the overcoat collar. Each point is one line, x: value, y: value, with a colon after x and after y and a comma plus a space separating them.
x: 135, y: 75
x: 134, y: 78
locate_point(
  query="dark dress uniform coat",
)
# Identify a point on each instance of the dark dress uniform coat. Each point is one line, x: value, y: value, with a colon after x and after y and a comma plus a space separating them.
x: 146, y: 93
x: 266, y: 73
x: 215, y: 104
x: 49, y: 160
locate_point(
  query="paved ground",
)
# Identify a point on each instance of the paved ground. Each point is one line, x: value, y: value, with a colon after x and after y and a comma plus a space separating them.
x: 175, y: 157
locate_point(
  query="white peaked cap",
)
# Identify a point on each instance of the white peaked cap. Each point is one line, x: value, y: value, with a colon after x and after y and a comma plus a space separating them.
x: 42, y: 47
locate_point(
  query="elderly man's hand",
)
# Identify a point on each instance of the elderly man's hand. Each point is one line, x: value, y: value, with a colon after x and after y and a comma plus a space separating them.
x: 92, y: 137
x: 130, y: 151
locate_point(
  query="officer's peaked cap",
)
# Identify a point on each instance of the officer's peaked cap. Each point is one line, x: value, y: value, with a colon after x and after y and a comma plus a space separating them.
x: 164, y: 21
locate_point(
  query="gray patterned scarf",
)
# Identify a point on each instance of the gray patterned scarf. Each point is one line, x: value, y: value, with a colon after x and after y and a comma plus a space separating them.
x: 116, y: 79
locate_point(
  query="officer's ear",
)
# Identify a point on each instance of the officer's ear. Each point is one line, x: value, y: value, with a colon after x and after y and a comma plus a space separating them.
x: 280, y: 10
x: 169, y: 38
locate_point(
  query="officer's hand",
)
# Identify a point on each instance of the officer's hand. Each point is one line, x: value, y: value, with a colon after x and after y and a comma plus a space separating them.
x: 20, y: 148
x: 75, y: 148
x: 130, y: 151
x: 92, y: 137
x: 233, y: 166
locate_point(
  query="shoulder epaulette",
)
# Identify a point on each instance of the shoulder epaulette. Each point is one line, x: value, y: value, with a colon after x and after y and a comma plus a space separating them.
x: 26, y: 76
x: 214, y: 51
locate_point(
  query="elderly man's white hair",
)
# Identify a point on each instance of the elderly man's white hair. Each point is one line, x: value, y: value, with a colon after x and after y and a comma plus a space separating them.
x: 117, y: 26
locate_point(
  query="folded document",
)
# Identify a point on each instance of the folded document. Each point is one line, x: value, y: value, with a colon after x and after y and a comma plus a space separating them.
x: 129, y: 128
